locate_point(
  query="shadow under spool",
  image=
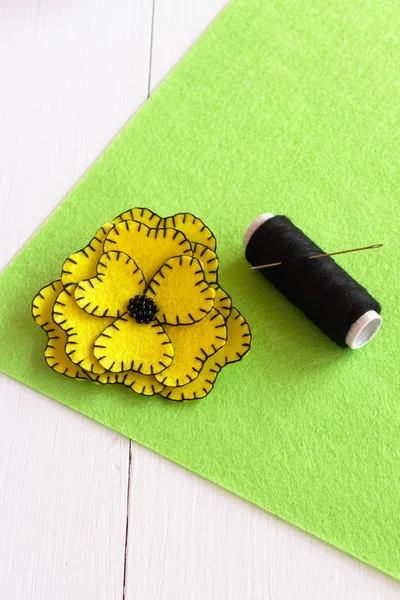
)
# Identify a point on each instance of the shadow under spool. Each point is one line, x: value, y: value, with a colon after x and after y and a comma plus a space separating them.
x: 320, y: 288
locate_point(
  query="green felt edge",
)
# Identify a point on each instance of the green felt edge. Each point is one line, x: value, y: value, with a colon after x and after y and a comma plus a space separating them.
x: 349, y: 179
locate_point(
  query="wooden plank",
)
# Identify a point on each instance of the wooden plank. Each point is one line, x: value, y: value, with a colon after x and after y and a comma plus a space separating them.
x: 72, y: 74
x: 63, y: 482
x: 177, y: 25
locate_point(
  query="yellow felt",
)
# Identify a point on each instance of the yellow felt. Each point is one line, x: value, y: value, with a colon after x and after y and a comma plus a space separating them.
x: 104, y: 378
x: 209, y: 261
x: 107, y: 294
x: 43, y: 302
x: 137, y: 382
x: 236, y: 347
x: 82, y: 265
x: 181, y: 292
x: 82, y: 330
x: 57, y: 359
x: 196, y: 389
x: 142, y: 215
x: 128, y: 345
x: 142, y: 384
x: 222, y: 302
x: 148, y: 247
x: 55, y: 356
x: 239, y: 339
x: 193, y: 344
x: 193, y: 228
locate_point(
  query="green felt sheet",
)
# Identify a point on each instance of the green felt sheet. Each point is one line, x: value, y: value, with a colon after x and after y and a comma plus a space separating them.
x: 283, y: 106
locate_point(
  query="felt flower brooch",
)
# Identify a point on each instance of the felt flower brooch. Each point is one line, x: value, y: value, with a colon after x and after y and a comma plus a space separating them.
x: 140, y: 305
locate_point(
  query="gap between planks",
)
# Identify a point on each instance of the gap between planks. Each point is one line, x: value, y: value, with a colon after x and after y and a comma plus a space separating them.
x: 153, y: 8
x: 128, y: 491
x: 128, y: 497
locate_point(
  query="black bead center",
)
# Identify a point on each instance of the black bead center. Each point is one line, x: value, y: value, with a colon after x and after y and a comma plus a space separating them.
x: 143, y: 309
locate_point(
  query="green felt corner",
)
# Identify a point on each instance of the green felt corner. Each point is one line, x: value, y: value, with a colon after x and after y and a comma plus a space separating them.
x: 288, y: 107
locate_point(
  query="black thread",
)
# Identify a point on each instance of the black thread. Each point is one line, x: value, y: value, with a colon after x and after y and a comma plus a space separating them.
x: 320, y: 288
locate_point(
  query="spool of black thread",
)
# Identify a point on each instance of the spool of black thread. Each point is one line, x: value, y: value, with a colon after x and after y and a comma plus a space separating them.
x: 320, y: 288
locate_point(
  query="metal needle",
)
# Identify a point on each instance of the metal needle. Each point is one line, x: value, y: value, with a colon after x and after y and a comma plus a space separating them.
x: 275, y: 264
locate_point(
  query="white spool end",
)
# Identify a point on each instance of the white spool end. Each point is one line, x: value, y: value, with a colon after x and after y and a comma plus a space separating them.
x: 254, y: 226
x: 364, y: 329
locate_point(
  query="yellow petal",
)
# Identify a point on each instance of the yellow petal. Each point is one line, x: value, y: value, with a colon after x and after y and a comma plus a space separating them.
x: 236, y: 347
x: 104, y: 378
x: 42, y: 305
x: 238, y: 342
x: 195, y: 390
x: 57, y: 359
x: 82, y: 330
x: 142, y: 215
x: 82, y: 265
x: 141, y: 384
x: 193, y: 344
x: 128, y: 345
x: 209, y: 261
x: 107, y: 294
x: 149, y: 248
x: 193, y: 228
x: 222, y: 301
x: 181, y: 292
x: 55, y: 355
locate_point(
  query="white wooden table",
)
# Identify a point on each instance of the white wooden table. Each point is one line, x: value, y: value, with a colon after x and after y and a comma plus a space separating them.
x: 84, y: 513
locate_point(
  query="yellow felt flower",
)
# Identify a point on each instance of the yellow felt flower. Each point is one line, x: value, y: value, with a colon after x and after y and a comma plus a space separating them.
x: 141, y: 305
